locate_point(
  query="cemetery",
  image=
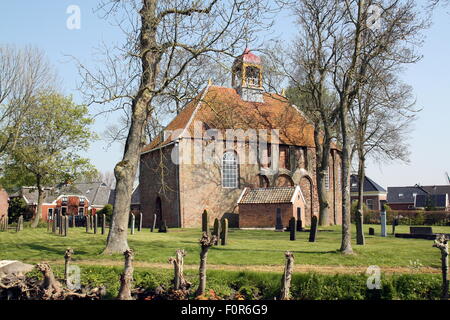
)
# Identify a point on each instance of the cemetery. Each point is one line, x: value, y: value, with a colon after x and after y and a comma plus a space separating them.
x: 241, y: 264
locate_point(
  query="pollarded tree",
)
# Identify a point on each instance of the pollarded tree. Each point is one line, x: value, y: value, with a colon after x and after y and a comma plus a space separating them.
x: 164, y: 40
x: 49, y: 142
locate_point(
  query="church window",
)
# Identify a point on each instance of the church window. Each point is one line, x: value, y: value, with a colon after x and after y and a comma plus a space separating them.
x: 230, y: 170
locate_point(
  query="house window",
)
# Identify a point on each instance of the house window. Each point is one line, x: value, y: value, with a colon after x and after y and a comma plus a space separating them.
x: 63, y: 211
x: 80, y: 211
x: 50, y: 214
x: 230, y: 174
x: 400, y: 195
x: 369, y: 203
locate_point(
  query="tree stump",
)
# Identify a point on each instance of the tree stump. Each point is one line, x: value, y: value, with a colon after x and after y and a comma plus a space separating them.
x: 205, y: 242
x: 287, y: 276
x: 441, y: 243
x: 179, y: 281
x: 51, y: 287
x: 67, y: 259
x: 126, y: 278
x: 292, y: 227
x: 313, y: 231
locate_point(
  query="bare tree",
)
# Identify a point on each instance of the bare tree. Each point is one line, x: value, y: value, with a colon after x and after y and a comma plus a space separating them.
x: 382, y: 116
x: 311, y: 64
x: 24, y: 72
x: 363, y: 38
x: 163, y: 41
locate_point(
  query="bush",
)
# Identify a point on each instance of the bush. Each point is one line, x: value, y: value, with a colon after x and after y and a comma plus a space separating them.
x: 108, y: 211
x: 267, y: 285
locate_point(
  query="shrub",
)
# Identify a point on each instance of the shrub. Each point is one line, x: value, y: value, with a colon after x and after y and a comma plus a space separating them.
x: 108, y: 211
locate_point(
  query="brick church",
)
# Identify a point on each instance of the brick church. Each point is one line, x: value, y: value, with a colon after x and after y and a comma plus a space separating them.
x: 181, y: 174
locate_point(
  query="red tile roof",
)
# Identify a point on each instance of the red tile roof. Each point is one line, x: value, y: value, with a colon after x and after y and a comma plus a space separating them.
x: 222, y: 108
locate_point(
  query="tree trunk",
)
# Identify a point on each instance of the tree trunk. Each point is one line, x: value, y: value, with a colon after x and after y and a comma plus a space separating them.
x: 346, y: 245
x: 206, y: 242
x: 41, y: 196
x: 51, y: 287
x: 359, y: 217
x: 125, y: 170
x: 126, y: 278
x: 322, y: 164
x: 441, y: 243
x: 287, y: 276
x: 67, y: 259
x: 179, y: 281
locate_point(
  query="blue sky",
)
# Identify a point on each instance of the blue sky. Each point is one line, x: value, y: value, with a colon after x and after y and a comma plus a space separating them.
x: 43, y: 24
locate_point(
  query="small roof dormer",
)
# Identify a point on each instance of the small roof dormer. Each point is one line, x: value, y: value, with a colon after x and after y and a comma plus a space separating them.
x: 247, y: 77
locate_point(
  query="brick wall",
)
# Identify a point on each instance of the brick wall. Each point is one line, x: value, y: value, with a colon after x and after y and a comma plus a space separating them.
x: 3, y: 202
x: 200, y: 186
x: 158, y: 179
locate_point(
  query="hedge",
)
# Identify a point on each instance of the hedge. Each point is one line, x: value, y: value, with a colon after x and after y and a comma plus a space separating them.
x: 266, y: 285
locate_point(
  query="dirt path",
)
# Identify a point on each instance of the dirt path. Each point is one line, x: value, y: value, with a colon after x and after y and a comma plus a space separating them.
x: 297, y: 268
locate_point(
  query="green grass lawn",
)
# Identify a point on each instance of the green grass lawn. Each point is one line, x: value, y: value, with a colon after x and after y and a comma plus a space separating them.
x: 246, y: 247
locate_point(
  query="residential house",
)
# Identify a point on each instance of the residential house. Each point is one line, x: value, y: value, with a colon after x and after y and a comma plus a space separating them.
x: 419, y: 197
x: 75, y: 199
x: 374, y: 195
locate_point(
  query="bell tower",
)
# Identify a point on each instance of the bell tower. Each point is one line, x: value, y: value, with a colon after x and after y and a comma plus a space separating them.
x: 247, y: 77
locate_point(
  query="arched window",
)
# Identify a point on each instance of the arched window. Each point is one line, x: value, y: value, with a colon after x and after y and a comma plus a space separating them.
x: 230, y: 172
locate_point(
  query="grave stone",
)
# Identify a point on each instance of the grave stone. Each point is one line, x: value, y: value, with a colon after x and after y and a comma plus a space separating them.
x: 132, y: 223
x: 383, y: 223
x: 371, y: 231
x: 278, y: 221
x: 103, y: 223
x: 292, y: 227
x: 299, y: 220
x: 95, y: 223
x: 163, y: 227
x: 14, y: 267
x: 154, y: 222
x: 313, y: 231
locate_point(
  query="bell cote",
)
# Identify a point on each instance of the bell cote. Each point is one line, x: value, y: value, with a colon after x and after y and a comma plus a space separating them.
x: 247, y: 77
